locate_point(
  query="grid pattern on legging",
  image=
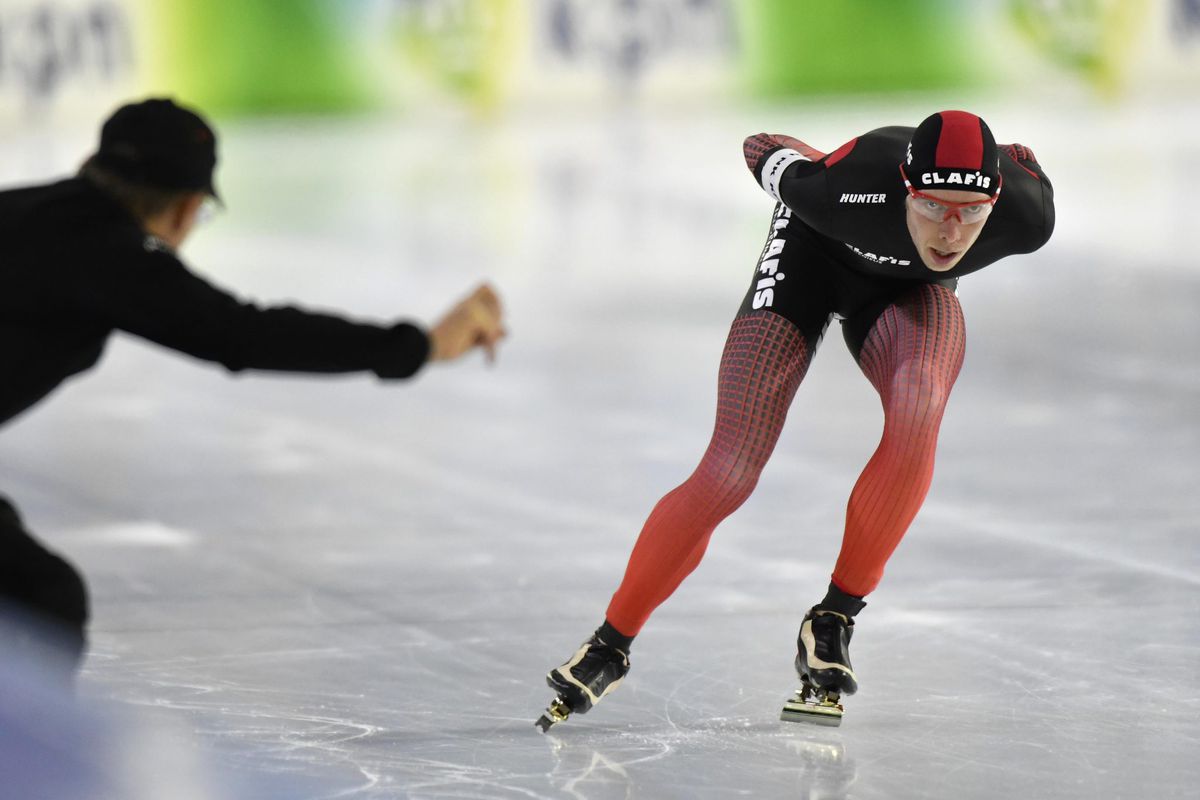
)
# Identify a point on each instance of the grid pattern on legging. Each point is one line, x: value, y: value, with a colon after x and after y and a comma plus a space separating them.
x: 912, y: 357
x: 765, y: 359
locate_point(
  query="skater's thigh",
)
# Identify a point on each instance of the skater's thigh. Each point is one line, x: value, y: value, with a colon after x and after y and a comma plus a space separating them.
x: 864, y: 301
x: 792, y: 280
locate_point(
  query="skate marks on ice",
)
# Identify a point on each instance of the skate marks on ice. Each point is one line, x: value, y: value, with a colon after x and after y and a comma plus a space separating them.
x: 600, y: 775
x: 673, y: 735
x: 410, y: 733
x: 1009, y: 689
x: 669, y: 734
x: 714, y: 758
x: 255, y: 730
x: 697, y: 728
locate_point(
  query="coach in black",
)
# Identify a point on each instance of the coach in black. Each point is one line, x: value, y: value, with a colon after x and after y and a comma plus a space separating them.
x: 95, y: 253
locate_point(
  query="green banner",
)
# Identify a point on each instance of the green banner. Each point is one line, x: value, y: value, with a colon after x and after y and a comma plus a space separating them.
x: 845, y: 46
x: 231, y: 56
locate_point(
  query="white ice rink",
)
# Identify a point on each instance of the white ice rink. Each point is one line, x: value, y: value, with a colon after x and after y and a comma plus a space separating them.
x: 343, y: 589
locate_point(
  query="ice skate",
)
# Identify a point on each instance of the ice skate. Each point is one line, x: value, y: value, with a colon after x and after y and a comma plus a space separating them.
x: 594, y: 671
x: 823, y: 663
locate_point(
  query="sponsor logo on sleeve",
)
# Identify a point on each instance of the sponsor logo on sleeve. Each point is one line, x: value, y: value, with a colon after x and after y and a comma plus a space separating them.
x: 768, y: 263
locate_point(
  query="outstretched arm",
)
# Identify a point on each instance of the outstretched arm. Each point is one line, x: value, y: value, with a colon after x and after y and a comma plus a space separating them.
x: 1032, y: 182
x: 157, y: 298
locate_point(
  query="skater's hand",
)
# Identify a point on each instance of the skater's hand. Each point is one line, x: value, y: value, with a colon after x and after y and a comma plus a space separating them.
x: 1019, y: 153
x: 808, y: 151
x: 476, y: 321
x: 755, y: 147
x: 790, y: 142
x: 758, y: 145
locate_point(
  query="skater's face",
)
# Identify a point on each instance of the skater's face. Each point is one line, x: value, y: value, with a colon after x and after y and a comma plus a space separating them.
x: 943, y: 238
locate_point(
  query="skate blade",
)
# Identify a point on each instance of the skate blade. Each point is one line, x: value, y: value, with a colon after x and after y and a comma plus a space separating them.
x: 825, y: 712
x: 557, y: 712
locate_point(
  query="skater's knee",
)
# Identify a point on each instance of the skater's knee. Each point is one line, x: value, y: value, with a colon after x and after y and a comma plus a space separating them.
x: 75, y: 604
x: 8, y: 514
x: 921, y: 388
x: 742, y: 480
x: 44, y: 620
x: 49, y: 587
x: 729, y: 478
x: 66, y: 597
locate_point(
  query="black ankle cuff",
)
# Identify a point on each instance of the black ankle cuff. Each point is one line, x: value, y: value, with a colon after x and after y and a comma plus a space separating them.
x: 611, y: 636
x: 842, y: 603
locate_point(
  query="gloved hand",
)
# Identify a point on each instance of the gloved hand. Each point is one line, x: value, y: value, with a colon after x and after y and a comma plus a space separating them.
x: 756, y: 147
x: 1019, y: 152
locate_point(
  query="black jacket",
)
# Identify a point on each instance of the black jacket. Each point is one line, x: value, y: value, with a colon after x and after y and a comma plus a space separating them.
x: 75, y: 266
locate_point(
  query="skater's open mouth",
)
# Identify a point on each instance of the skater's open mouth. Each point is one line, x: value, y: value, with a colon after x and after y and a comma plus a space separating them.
x: 943, y: 257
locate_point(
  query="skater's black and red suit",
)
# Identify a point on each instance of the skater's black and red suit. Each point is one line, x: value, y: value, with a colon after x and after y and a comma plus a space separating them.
x: 838, y: 246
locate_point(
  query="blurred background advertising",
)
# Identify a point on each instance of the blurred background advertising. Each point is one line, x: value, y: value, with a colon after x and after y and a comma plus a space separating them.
x: 1078, y: 80
x: 75, y: 59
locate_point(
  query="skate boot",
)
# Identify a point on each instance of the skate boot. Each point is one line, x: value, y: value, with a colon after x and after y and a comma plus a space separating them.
x: 594, y: 671
x: 823, y: 663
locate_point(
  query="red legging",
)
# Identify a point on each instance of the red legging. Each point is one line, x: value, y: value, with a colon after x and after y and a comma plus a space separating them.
x: 912, y: 356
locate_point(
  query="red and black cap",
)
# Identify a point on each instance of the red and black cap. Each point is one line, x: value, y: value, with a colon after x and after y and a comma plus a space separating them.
x: 953, y: 150
x: 160, y: 144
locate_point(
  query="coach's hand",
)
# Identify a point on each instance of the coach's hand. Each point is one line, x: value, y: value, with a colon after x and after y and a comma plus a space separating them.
x: 476, y: 321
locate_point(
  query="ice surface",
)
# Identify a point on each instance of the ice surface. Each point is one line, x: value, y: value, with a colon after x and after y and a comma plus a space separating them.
x: 358, y: 588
